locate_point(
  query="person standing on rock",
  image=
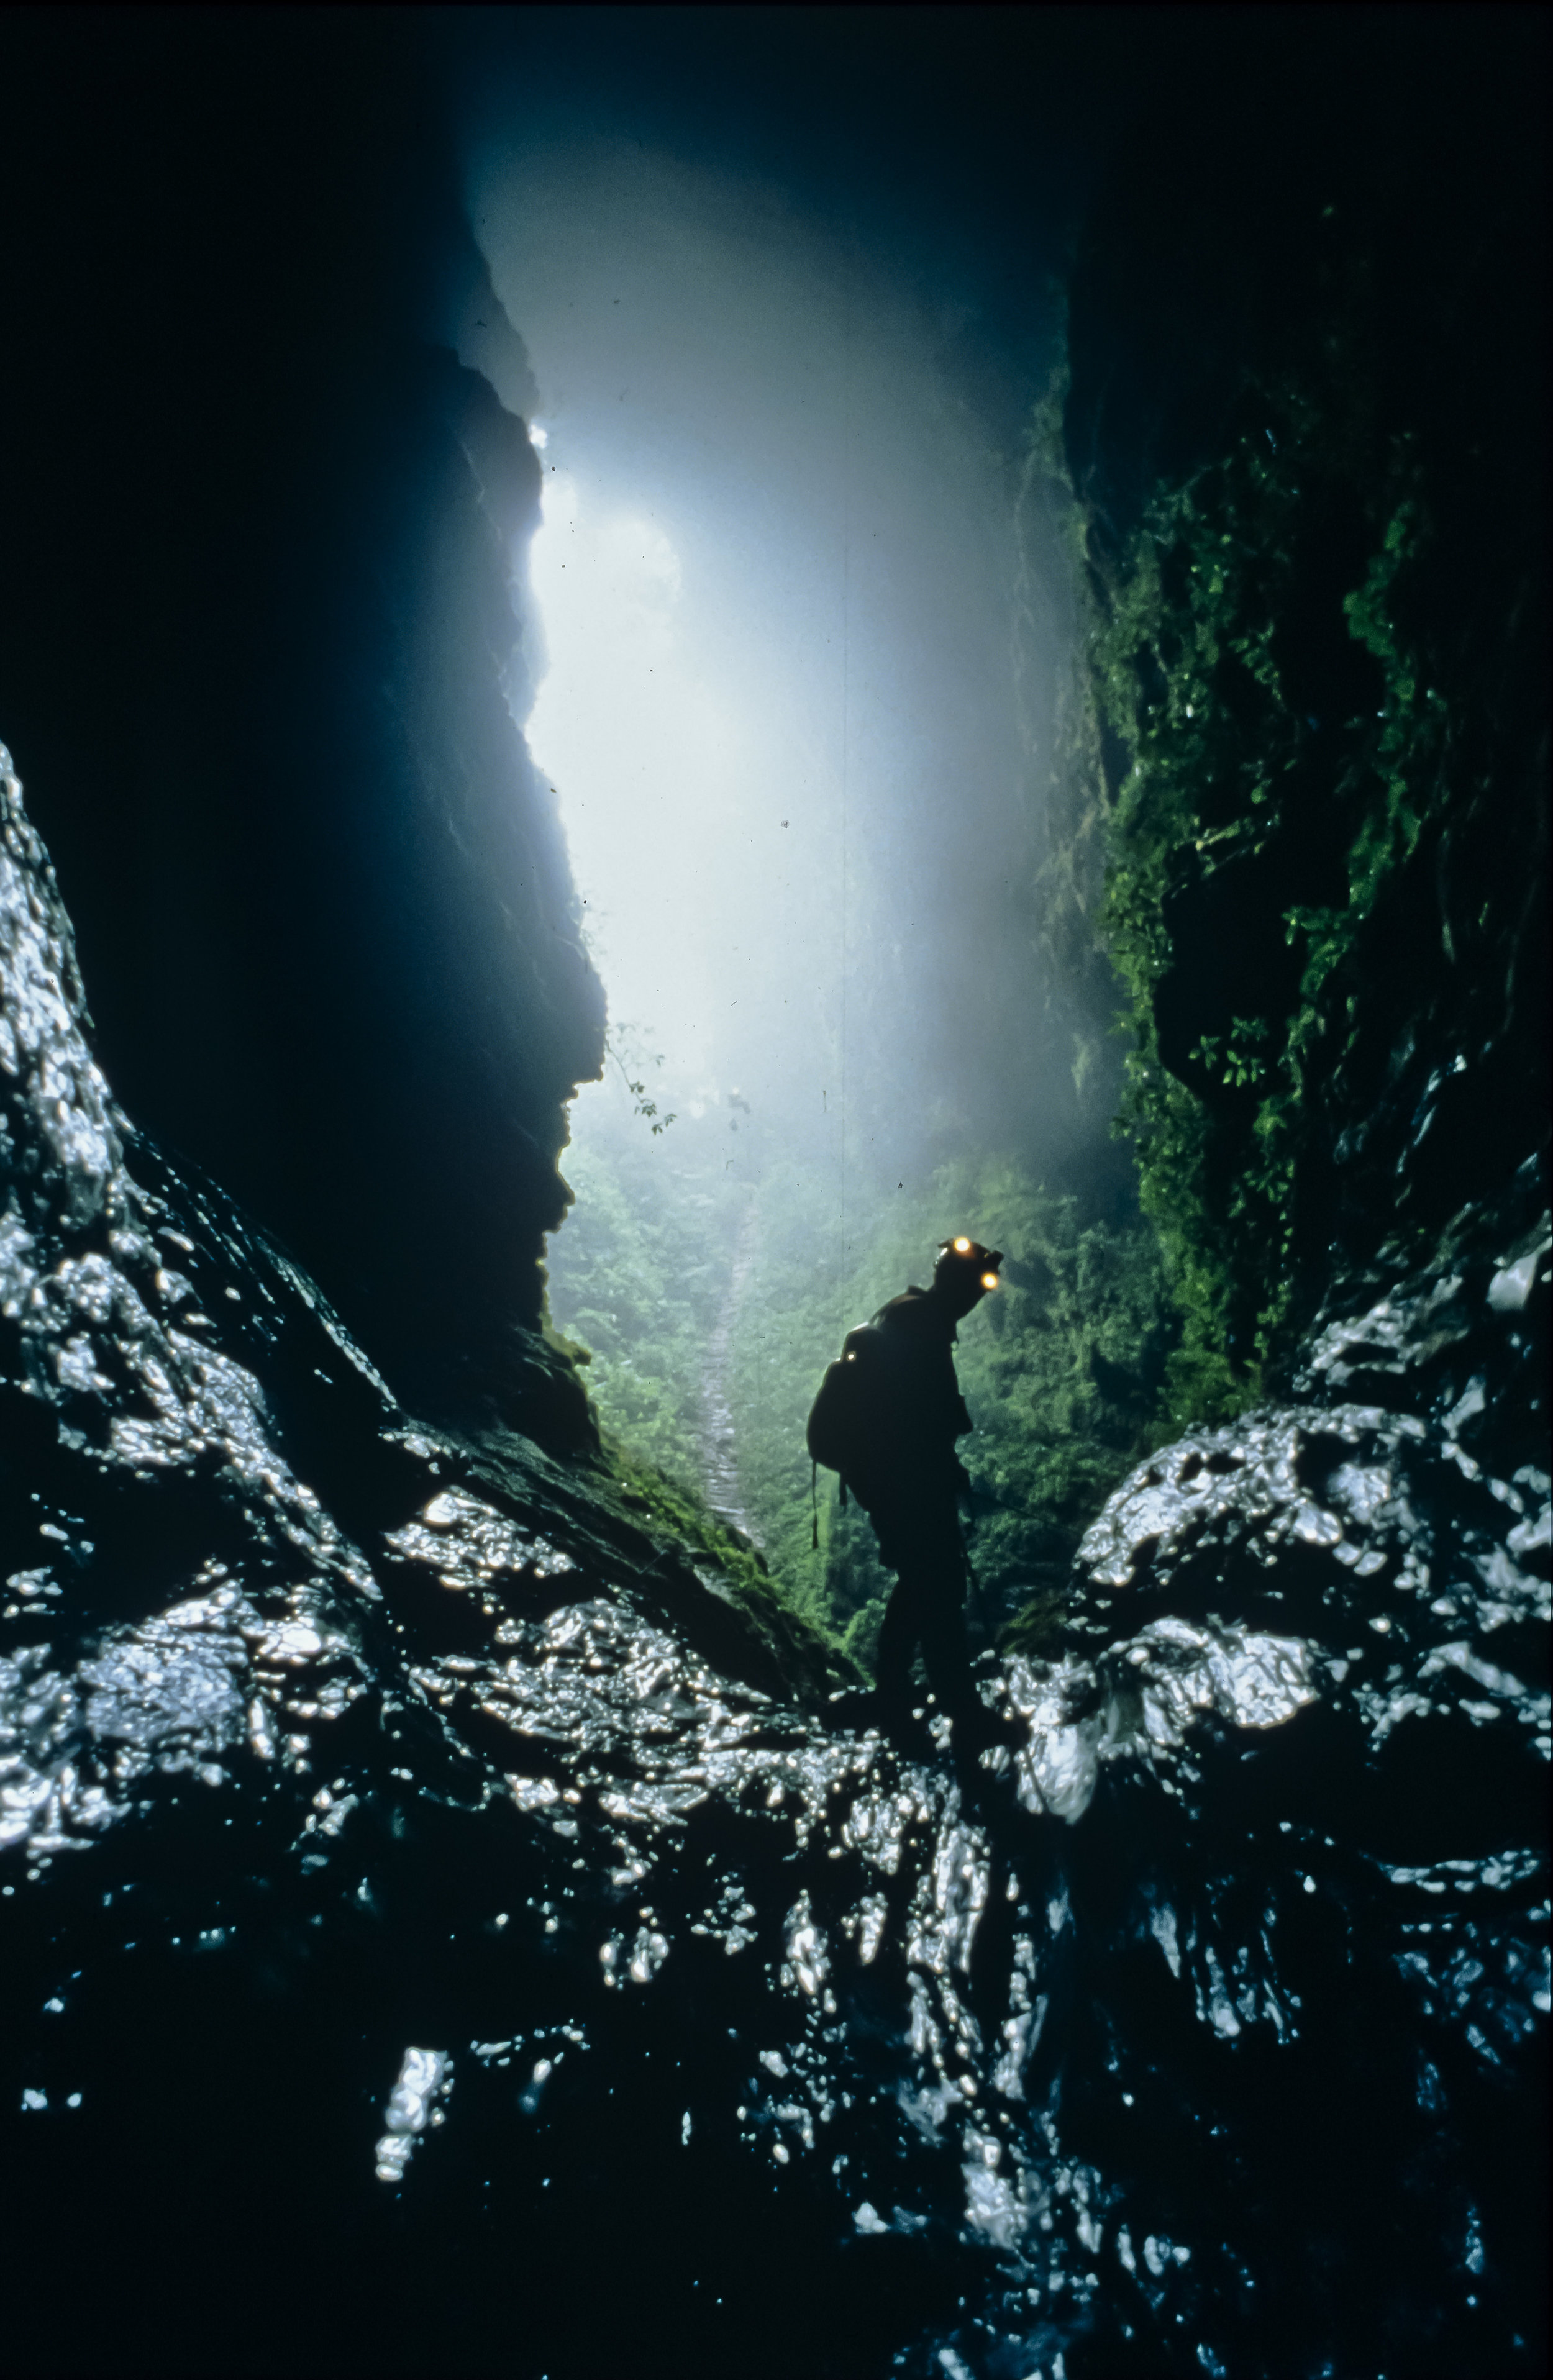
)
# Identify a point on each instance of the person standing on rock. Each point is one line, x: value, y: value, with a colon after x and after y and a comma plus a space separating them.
x: 888, y: 1417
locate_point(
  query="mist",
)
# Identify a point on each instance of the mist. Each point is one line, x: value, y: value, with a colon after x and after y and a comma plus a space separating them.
x: 794, y: 706
x: 775, y: 584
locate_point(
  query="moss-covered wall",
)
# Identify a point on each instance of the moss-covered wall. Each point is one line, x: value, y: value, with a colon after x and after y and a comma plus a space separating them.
x: 1306, y: 433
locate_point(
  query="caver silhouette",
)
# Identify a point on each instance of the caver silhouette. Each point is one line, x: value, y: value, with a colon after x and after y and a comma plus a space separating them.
x: 888, y: 1419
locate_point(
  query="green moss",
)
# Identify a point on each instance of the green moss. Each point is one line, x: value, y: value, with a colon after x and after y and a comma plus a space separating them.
x: 860, y: 1643
x: 807, y: 1657
x: 1035, y: 1629
x: 1282, y: 754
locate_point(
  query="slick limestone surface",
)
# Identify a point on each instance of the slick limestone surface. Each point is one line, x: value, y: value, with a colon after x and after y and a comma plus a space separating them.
x: 375, y: 1840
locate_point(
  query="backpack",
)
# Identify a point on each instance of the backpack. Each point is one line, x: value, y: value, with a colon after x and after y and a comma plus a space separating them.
x: 847, y: 1418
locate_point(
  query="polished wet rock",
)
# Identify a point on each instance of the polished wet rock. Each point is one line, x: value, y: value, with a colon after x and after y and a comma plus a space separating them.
x: 434, y: 1942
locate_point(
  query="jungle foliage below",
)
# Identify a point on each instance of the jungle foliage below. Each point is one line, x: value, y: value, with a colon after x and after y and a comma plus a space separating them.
x: 693, y: 1290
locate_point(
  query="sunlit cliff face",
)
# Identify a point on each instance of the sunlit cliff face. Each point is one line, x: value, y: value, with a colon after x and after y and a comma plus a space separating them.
x: 775, y: 578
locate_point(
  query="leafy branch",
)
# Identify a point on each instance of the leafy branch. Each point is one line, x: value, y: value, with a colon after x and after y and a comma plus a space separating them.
x: 641, y: 1104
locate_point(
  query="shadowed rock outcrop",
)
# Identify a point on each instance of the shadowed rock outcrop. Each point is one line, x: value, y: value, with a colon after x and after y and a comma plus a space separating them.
x: 252, y: 496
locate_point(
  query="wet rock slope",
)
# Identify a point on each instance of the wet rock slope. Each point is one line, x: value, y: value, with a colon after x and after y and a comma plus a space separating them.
x: 442, y: 1935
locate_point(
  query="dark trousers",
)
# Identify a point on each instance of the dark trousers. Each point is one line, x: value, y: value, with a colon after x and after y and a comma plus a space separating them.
x: 921, y: 1542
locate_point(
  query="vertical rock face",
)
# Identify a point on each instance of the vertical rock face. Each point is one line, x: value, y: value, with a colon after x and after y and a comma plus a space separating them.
x: 438, y: 1009
x: 253, y: 500
x: 1306, y: 421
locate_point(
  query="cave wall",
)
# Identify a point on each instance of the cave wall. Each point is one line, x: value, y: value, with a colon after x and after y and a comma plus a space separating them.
x: 261, y: 653
x: 1308, y: 393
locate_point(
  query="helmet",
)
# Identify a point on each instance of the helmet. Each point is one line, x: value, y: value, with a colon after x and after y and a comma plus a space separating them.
x: 964, y: 1260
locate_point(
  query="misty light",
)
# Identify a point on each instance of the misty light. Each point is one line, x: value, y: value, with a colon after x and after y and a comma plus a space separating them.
x: 774, y: 581
x: 647, y: 762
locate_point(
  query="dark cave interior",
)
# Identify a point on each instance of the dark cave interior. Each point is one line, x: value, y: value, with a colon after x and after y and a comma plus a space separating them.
x: 362, y: 1691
